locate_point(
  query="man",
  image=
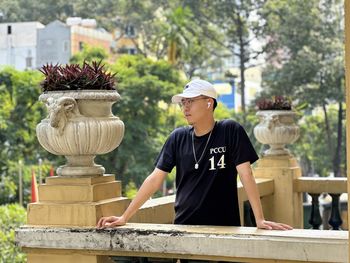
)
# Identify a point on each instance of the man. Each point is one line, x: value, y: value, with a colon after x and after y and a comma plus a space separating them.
x: 207, y: 155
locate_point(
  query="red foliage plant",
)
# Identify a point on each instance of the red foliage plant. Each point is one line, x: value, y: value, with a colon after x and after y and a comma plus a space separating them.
x: 76, y: 77
x: 275, y: 103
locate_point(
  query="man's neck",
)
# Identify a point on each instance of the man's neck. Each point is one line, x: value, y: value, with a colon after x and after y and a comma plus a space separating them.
x: 203, y: 128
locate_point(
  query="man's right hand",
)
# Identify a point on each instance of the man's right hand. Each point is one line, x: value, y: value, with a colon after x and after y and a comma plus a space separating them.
x: 111, y: 221
x: 151, y: 184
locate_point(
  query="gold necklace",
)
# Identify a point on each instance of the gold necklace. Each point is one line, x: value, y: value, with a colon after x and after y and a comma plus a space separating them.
x: 196, y: 166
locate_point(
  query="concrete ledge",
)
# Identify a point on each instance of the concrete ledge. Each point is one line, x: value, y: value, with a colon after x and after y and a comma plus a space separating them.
x: 318, y: 185
x: 197, y: 242
x: 265, y: 187
x: 156, y: 211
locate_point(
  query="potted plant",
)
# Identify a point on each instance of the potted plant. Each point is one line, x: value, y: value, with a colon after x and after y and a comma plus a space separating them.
x: 277, y: 124
x: 80, y: 123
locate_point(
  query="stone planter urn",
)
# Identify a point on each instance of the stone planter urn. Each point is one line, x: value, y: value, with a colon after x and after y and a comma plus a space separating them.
x: 276, y: 128
x: 79, y: 126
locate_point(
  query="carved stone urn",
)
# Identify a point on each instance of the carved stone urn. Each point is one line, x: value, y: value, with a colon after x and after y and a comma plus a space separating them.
x: 276, y: 128
x: 79, y: 126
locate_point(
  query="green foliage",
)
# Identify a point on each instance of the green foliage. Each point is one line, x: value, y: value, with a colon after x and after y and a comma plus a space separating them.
x: 306, y: 52
x: 195, y: 41
x: 11, y: 217
x: 143, y: 85
x: 230, y: 25
x: 311, y: 147
x: 36, y: 10
x: 89, y: 54
x: 222, y: 112
x: 130, y: 190
x: 20, y: 113
x: 10, y: 182
x: 8, y: 190
x: 308, y: 59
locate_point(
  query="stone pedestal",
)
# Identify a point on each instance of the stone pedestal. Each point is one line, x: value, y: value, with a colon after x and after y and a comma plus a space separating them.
x: 285, y: 205
x: 74, y: 202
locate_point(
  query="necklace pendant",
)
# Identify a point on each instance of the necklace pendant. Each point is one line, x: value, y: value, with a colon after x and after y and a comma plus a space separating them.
x: 196, y: 166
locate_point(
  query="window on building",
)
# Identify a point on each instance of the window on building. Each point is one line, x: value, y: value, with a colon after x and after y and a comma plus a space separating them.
x: 127, y: 50
x: 9, y: 29
x: 132, y: 51
x: 81, y: 45
x: 29, y: 60
x: 65, y: 46
x: 48, y: 42
x: 129, y: 31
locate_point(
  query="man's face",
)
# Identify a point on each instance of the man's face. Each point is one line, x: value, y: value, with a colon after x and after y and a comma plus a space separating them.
x: 194, y: 109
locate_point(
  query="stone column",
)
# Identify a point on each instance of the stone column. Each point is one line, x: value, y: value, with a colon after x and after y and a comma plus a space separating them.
x: 285, y: 205
x: 74, y: 202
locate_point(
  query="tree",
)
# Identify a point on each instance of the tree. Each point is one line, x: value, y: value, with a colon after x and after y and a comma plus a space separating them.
x: 35, y: 10
x: 144, y: 17
x: 159, y: 26
x: 305, y: 51
x: 20, y: 112
x: 188, y: 47
x: 311, y: 146
x: 89, y: 54
x: 237, y: 23
x: 146, y: 88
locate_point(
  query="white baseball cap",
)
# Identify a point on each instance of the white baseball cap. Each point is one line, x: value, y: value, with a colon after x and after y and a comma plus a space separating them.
x: 196, y: 88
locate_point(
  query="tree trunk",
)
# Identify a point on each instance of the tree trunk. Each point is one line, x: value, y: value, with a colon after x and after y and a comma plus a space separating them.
x: 337, y: 153
x: 172, y: 52
x: 328, y: 129
x: 241, y: 63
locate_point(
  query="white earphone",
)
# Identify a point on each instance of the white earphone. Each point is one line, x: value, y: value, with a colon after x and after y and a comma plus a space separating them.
x: 209, y: 104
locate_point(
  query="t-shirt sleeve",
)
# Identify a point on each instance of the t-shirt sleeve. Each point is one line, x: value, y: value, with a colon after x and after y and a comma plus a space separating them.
x: 167, y: 156
x: 243, y: 150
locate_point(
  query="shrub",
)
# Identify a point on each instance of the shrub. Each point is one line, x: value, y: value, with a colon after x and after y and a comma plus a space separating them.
x: 11, y: 217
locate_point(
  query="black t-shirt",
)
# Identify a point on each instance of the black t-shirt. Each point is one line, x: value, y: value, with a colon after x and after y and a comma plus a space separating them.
x: 207, y: 195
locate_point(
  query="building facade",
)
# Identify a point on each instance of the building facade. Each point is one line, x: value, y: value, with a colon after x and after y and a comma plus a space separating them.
x: 58, y: 41
x: 54, y: 44
x: 30, y: 45
x: 18, y: 44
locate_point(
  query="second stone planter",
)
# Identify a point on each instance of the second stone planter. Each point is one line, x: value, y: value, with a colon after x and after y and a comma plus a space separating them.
x: 276, y: 128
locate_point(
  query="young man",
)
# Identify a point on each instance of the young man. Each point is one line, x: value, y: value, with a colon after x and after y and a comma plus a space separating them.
x: 207, y: 155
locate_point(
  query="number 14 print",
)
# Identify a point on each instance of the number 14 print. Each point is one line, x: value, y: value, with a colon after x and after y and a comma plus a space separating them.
x: 220, y: 164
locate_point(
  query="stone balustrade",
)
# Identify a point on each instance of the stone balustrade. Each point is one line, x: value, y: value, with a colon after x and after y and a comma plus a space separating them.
x: 243, y: 244
x: 315, y: 187
x: 156, y: 240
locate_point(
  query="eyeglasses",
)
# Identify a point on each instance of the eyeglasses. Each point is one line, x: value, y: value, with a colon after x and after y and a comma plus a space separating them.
x: 188, y: 102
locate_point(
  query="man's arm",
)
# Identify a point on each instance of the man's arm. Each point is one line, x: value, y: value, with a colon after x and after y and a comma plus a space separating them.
x: 246, y: 175
x: 151, y: 184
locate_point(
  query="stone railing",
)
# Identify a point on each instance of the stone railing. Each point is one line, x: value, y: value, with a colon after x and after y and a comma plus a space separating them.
x: 242, y: 244
x: 61, y: 225
x: 317, y: 186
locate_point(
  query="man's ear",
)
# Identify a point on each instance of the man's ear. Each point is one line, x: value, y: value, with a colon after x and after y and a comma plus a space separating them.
x: 210, y: 102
